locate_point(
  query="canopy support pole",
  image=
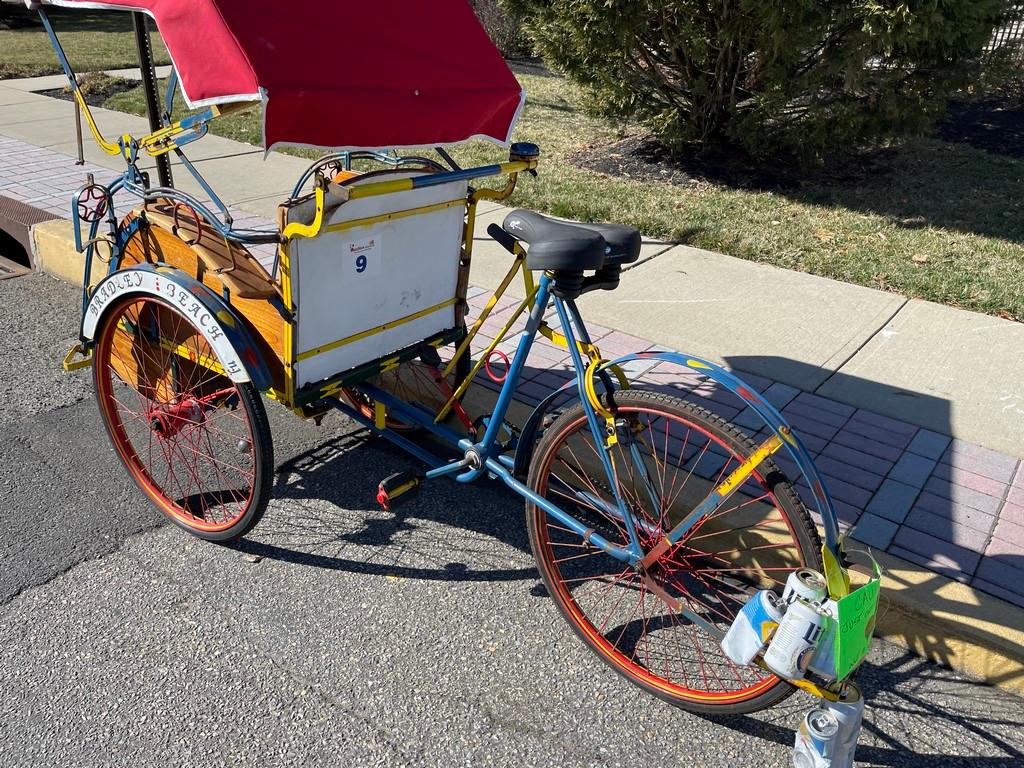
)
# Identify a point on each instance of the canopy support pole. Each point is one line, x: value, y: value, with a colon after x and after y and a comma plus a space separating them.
x: 146, y: 68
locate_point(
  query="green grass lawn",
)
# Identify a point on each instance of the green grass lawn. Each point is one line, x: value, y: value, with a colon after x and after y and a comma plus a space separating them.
x: 931, y: 220
x: 92, y: 40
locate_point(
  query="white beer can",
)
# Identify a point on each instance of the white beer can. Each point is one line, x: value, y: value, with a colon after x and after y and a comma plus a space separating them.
x: 823, y: 662
x: 795, y: 641
x: 752, y: 627
x: 849, y: 714
x: 816, y: 740
x: 804, y: 584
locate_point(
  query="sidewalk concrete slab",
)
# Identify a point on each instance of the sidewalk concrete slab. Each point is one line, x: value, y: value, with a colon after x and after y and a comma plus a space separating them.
x: 789, y: 326
x: 32, y: 109
x: 48, y: 122
x: 37, y: 84
x: 720, y: 307
x: 49, y: 82
x: 244, y: 182
x: 237, y: 171
x: 10, y: 97
x: 952, y: 371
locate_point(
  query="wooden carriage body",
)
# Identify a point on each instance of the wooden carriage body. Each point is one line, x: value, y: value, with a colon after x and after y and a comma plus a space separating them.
x: 370, y: 280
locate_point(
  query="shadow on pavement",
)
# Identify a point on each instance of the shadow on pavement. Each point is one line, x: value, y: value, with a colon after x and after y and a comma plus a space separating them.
x: 326, y: 516
x: 916, y: 715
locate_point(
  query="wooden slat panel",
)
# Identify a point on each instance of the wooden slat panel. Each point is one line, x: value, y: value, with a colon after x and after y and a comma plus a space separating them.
x: 154, y: 244
x: 232, y: 263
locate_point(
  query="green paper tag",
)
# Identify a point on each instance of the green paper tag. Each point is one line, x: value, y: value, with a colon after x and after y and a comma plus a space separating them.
x: 856, y: 621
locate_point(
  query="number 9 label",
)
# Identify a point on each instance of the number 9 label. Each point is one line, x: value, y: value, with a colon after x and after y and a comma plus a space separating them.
x: 365, y: 257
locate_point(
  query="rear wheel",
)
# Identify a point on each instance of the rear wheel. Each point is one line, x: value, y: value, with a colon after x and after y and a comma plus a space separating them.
x: 196, y: 443
x: 752, y: 541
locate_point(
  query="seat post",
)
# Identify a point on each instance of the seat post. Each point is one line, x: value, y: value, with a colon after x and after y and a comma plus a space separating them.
x: 567, y: 284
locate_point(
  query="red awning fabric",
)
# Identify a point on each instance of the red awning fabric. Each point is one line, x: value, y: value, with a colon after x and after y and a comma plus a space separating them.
x: 343, y: 75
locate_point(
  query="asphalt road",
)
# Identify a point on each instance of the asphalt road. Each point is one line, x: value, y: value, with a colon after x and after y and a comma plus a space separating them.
x: 338, y: 635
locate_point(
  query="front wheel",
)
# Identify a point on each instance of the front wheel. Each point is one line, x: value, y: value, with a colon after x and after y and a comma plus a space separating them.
x: 752, y: 541
x: 196, y: 443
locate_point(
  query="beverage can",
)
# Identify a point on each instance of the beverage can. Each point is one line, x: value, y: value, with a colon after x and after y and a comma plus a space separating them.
x: 823, y: 662
x: 752, y: 627
x: 795, y: 641
x: 849, y: 714
x: 805, y: 584
x: 815, y: 742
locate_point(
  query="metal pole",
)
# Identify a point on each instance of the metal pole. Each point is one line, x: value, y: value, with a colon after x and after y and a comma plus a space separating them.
x: 145, y: 47
x: 78, y: 134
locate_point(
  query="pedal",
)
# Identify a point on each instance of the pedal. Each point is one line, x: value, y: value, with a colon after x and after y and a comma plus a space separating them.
x: 398, y: 488
x: 84, y: 361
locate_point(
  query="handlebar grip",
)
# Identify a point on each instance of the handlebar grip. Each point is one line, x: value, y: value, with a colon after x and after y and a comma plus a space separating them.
x: 502, y: 237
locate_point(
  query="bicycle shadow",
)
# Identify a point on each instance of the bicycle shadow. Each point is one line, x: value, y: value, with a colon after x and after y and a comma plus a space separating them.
x: 325, y: 518
x: 325, y: 515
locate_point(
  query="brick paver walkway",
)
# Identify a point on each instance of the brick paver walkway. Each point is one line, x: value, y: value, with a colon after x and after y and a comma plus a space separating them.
x: 951, y: 506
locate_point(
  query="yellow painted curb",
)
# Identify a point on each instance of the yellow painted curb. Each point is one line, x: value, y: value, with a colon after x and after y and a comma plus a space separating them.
x: 951, y: 623
x: 935, y: 616
x: 53, y: 250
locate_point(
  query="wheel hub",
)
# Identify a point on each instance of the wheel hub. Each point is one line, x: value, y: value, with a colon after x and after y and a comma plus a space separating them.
x: 167, y: 419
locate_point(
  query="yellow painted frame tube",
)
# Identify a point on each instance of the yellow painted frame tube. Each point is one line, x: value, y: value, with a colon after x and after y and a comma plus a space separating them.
x: 488, y: 308
x: 285, y: 269
x: 404, y: 185
x: 295, y: 229
x: 106, y: 146
x: 373, y: 331
x: 464, y: 385
x: 497, y: 194
x: 160, y: 142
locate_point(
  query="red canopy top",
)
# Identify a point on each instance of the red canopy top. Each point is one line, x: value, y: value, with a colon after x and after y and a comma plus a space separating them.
x: 345, y: 75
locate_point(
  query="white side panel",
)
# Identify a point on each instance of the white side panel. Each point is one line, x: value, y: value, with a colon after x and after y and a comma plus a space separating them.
x: 357, y: 279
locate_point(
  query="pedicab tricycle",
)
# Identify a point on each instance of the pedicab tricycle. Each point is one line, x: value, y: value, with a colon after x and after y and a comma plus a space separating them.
x: 652, y: 521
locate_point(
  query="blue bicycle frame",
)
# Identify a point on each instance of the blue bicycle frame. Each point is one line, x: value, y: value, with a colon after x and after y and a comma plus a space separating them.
x: 486, y: 455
